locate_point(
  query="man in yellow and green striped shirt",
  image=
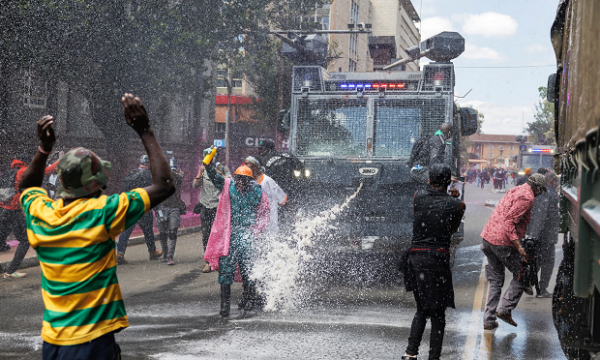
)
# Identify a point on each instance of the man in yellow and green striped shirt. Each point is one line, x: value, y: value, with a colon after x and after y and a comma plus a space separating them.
x: 74, y: 239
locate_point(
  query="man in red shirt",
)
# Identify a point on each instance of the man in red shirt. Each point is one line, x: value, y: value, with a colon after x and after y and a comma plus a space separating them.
x: 502, y: 246
x: 12, y: 219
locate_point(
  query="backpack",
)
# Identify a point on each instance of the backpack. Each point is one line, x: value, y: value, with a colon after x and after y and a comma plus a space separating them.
x: 419, y: 155
x: 7, y: 185
x: 136, y: 178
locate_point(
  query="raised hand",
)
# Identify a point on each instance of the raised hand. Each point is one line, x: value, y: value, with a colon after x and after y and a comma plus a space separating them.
x: 135, y: 113
x: 45, y: 132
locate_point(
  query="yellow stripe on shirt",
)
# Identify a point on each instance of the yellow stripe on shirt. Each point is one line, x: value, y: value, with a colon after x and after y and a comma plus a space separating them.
x: 77, y: 272
x: 68, y: 303
x: 75, y: 335
x: 77, y: 239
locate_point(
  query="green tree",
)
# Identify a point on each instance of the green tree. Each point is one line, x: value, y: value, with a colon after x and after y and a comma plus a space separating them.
x: 541, y: 130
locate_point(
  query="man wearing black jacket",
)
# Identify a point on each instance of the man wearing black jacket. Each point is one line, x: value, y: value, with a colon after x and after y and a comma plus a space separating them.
x: 544, y: 229
x: 437, y: 216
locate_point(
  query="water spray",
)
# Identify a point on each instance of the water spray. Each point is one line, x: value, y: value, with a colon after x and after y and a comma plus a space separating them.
x: 278, y: 271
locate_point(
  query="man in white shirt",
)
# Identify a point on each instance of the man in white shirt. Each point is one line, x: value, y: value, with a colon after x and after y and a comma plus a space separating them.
x: 274, y: 193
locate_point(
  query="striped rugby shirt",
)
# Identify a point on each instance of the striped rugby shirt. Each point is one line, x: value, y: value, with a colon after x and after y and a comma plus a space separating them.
x: 76, y: 248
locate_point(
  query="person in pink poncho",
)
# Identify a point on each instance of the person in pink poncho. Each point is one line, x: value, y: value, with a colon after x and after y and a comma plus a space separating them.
x: 243, y: 212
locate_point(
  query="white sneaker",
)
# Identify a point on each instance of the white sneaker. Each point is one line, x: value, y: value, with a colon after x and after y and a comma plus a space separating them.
x: 409, y: 357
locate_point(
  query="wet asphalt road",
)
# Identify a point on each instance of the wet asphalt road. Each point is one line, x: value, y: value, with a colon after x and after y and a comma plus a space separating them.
x: 173, y: 313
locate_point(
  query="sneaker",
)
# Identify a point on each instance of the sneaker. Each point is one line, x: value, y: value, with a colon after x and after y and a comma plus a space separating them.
x: 507, y: 318
x: 491, y: 326
x: 15, y: 275
x: 155, y: 255
x: 528, y: 290
x: 409, y: 357
x: 5, y: 248
x: 544, y: 294
x: 170, y: 262
x: 206, y: 269
x: 121, y: 259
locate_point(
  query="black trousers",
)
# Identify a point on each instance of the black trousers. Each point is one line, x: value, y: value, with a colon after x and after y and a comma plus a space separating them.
x: 207, y: 217
x: 438, y: 325
x: 14, y: 220
x: 103, y: 348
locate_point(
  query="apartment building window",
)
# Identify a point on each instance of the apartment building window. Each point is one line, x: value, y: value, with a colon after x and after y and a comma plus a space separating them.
x: 222, y: 73
x: 236, y: 83
x: 221, y: 82
x: 512, y: 147
x: 501, y: 147
x: 352, y: 65
x: 220, y: 127
x: 491, y: 155
x: 354, y: 11
x: 491, y: 147
x: 353, y: 46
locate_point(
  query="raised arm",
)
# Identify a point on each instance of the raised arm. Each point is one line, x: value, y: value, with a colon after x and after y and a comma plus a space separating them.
x: 34, y: 175
x: 198, y: 180
x: 217, y: 179
x: 162, y: 181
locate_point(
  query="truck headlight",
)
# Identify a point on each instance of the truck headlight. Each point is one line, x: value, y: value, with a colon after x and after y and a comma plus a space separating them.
x: 307, y: 173
x: 521, y: 173
x: 297, y: 173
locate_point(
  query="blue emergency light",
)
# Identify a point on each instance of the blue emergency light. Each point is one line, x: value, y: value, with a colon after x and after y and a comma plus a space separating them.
x: 373, y: 86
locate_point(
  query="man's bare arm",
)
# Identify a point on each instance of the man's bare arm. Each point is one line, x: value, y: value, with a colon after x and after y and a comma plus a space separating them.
x: 162, y: 181
x: 34, y: 175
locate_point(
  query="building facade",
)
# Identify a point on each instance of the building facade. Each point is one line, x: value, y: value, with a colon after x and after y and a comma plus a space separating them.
x: 394, y: 30
x: 493, y: 150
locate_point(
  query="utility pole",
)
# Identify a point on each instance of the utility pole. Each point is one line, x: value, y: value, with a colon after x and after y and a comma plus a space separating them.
x: 227, y: 117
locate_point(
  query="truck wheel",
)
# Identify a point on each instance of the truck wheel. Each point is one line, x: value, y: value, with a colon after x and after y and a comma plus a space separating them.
x: 564, y: 305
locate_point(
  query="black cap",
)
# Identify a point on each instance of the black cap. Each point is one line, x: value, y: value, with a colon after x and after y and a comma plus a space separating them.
x: 440, y: 174
x: 267, y: 144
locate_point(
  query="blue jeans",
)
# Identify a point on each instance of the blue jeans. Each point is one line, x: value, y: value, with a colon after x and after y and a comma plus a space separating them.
x: 103, y: 348
x: 146, y: 224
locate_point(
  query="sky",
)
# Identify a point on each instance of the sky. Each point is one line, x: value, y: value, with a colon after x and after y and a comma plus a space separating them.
x: 498, y: 33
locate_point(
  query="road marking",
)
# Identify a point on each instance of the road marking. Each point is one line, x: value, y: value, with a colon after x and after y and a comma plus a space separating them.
x: 487, y: 339
x: 476, y: 324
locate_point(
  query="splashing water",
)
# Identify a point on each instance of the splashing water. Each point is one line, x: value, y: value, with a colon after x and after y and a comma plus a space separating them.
x: 278, y: 271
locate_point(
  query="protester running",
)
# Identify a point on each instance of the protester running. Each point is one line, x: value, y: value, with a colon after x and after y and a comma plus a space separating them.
x: 74, y: 239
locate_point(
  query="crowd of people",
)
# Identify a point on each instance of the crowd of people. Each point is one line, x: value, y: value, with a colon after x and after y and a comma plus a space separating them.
x: 74, y: 232
x: 61, y: 211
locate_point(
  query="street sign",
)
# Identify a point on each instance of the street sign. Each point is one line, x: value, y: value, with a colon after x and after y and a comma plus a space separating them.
x: 219, y: 143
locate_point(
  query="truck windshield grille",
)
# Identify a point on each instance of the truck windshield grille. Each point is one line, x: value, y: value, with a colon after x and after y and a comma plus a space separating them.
x: 399, y: 123
x: 332, y: 127
x: 338, y: 127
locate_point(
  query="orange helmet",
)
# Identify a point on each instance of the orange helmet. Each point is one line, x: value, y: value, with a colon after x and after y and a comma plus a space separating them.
x: 527, y: 171
x: 244, y: 170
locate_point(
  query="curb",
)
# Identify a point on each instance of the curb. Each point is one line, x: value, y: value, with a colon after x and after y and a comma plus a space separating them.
x: 491, y: 203
x: 33, y: 261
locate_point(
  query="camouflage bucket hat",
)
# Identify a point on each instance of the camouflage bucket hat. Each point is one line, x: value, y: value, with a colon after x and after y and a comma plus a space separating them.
x: 538, y: 180
x: 81, y: 173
